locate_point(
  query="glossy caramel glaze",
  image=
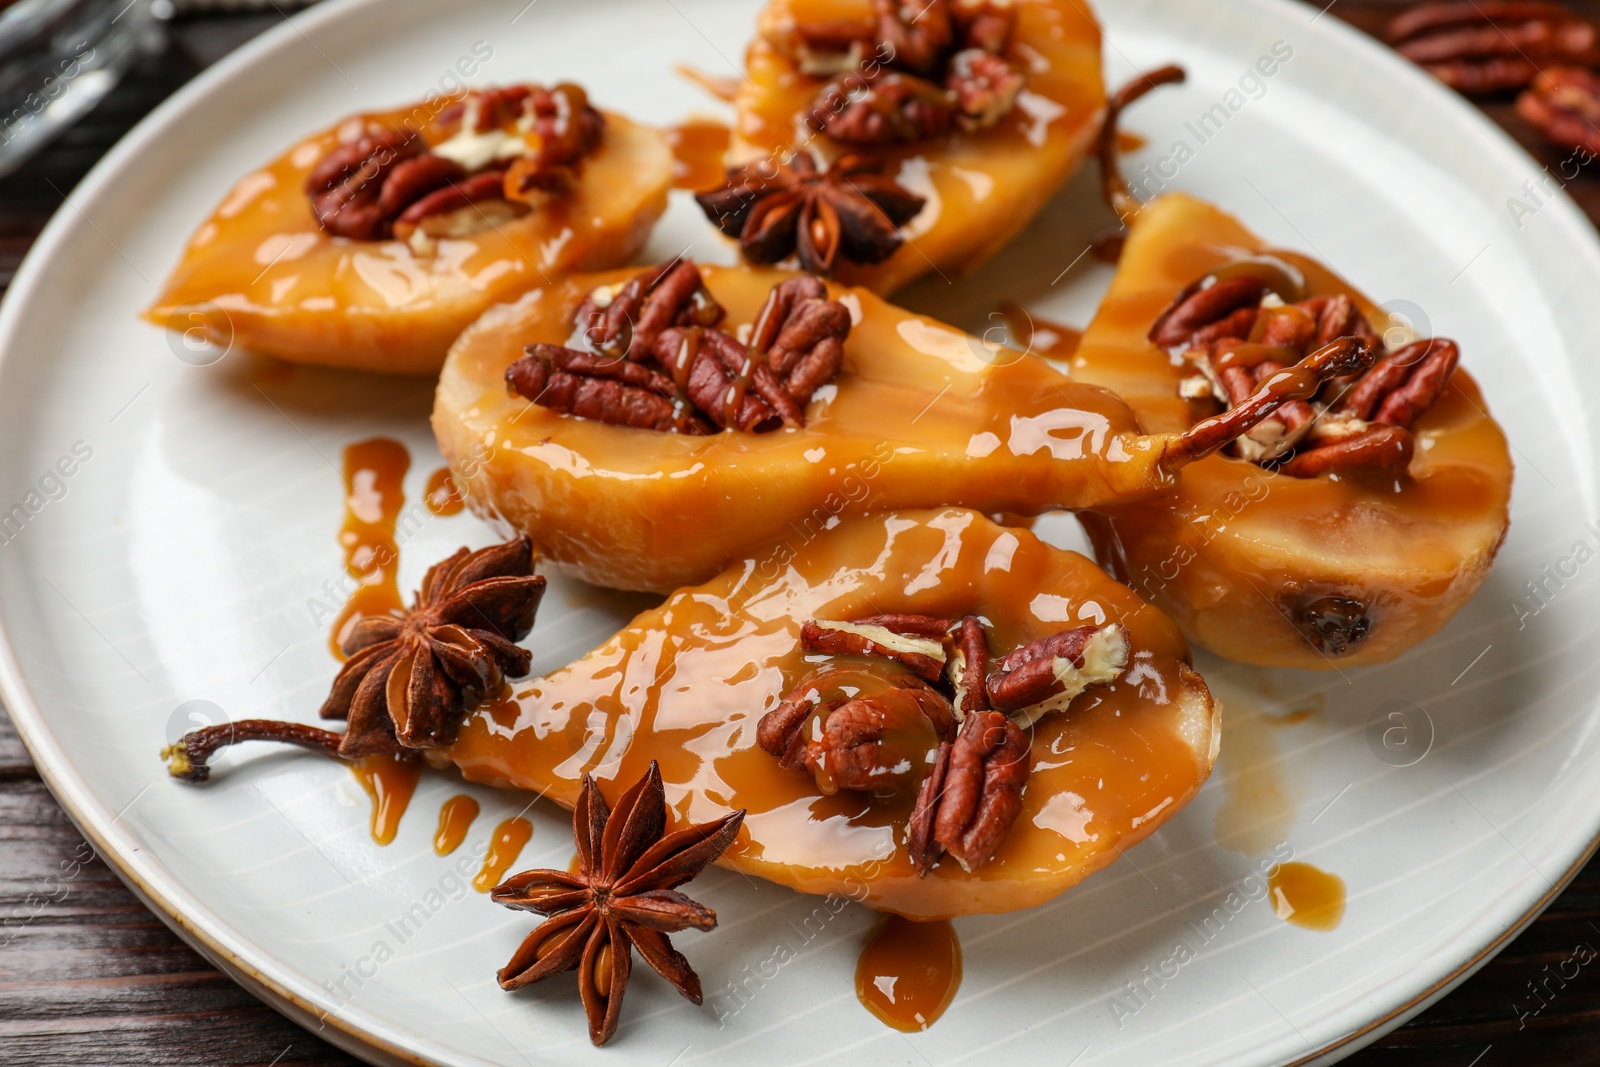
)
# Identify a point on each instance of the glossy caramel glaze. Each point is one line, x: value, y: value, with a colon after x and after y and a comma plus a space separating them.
x: 1042, y: 337
x: 921, y: 416
x: 441, y: 495
x: 1306, y: 896
x: 686, y: 683
x: 504, y: 847
x: 1223, y: 550
x: 261, y: 274
x: 374, y: 475
x: 389, y: 781
x: 698, y: 149
x: 981, y: 187
x: 909, y: 972
x: 455, y: 819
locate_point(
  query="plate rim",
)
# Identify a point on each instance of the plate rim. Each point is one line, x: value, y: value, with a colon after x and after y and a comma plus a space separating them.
x: 69, y: 788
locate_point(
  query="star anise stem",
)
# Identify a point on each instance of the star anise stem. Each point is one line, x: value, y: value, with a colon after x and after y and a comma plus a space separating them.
x: 189, y: 757
x: 410, y: 679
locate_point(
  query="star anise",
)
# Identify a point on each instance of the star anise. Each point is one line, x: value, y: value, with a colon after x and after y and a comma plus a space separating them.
x: 623, y: 897
x: 409, y: 677
x: 848, y: 211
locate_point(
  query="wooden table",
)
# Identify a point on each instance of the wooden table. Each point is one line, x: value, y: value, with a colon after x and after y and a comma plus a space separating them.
x: 89, y: 976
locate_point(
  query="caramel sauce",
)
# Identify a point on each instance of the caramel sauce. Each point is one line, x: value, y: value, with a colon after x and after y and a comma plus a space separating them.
x: 389, y: 781
x: 1306, y: 896
x: 909, y: 972
x: 374, y: 471
x: 686, y: 683
x: 1216, y: 551
x: 1259, y: 805
x: 441, y: 495
x: 698, y: 147
x: 455, y: 819
x: 1040, y: 336
x: 723, y: 88
x: 982, y: 187
x: 261, y: 271
x: 922, y: 414
x: 504, y: 848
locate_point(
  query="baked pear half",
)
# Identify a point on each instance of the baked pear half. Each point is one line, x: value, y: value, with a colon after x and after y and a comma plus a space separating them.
x: 1344, y: 530
x: 911, y: 790
x: 879, y: 141
x: 647, y: 428
x: 373, y: 243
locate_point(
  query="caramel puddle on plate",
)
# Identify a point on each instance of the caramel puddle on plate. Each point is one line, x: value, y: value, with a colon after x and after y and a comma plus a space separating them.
x: 455, y: 818
x: 1306, y: 896
x: 698, y: 147
x: 1042, y: 337
x: 1259, y: 804
x: 909, y: 972
x: 441, y: 495
x: 389, y: 781
x: 504, y: 848
x: 373, y: 473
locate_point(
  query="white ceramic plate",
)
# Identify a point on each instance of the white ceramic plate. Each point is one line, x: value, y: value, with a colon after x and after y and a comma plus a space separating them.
x: 179, y: 563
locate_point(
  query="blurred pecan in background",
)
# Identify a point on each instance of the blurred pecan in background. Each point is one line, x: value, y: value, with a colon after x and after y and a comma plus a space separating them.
x: 1564, y: 103
x: 1490, y: 46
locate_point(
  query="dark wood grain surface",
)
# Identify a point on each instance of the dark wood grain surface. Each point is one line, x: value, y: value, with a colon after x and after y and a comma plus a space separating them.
x: 89, y: 976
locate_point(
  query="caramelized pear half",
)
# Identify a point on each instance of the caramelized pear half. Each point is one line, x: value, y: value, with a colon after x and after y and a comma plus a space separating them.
x: 982, y: 187
x: 686, y: 683
x: 1259, y: 566
x: 922, y: 415
x: 263, y: 275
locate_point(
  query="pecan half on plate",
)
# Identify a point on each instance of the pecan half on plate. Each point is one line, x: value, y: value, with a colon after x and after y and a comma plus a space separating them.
x: 1488, y: 46
x: 1563, y: 103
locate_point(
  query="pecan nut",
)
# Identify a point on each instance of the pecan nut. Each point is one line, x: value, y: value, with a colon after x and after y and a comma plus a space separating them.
x: 597, y: 387
x: 1564, y: 104
x: 983, y: 87
x: 1047, y: 674
x: 893, y: 108
x: 390, y: 182
x: 1403, y: 384
x: 923, y: 655
x: 943, y: 66
x: 656, y: 360
x: 878, y: 744
x: 1488, y: 46
x: 968, y: 670
x: 567, y: 129
x: 972, y: 795
x: 346, y: 185
x: 1376, y: 448
x: 875, y: 729
x: 1242, y: 338
x: 625, y: 322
